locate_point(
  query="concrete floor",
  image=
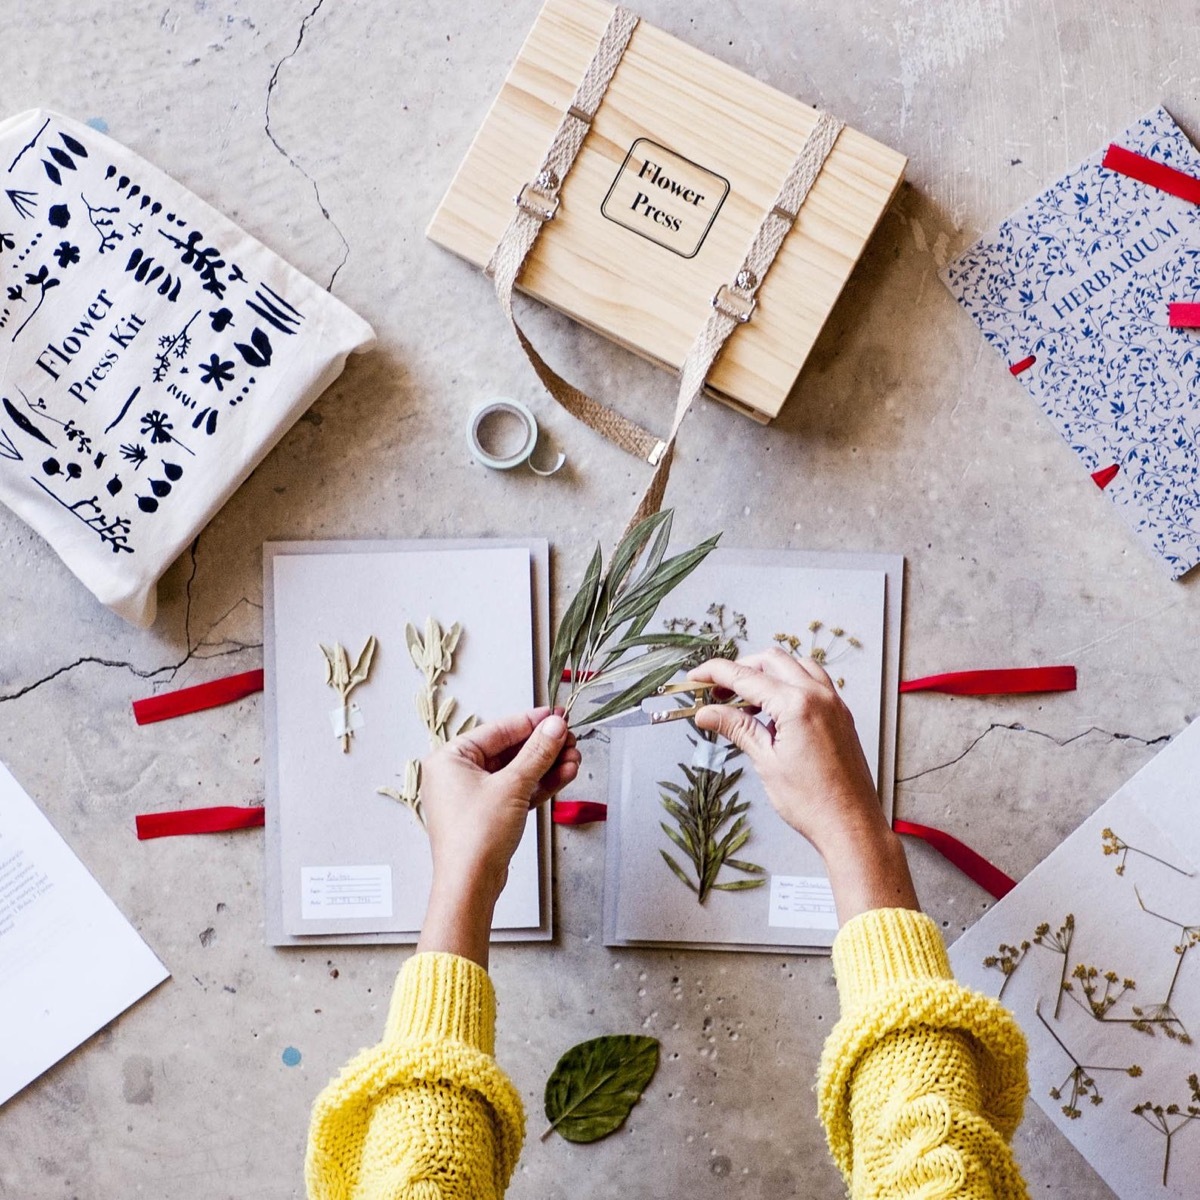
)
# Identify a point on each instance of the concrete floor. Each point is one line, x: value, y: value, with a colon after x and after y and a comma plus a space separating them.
x: 905, y: 434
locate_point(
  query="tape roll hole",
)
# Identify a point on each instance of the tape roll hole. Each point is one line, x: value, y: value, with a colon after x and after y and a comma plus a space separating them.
x: 504, y: 434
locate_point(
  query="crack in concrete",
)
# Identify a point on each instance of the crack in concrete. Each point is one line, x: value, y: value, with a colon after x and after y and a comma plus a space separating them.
x: 274, y: 142
x: 1017, y: 727
x: 170, y: 670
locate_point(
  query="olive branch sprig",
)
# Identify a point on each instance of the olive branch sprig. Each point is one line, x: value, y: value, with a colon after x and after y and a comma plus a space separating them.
x: 344, y: 678
x: 605, y: 623
x: 433, y: 656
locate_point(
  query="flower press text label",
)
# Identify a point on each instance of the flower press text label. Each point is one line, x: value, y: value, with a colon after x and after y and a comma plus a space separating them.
x: 665, y: 197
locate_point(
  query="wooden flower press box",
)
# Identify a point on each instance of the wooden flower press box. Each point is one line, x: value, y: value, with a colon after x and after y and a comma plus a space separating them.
x: 682, y: 160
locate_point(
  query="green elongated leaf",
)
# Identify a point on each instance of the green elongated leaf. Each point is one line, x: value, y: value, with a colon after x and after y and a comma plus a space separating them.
x: 595, y: 1085
x: 740, y: 864
x: 738, y: 885
x: 638, y: 665
x: 631, y: 546
x: 648, y: 592
x: 658, y: 549
x: 681, y: 840
x: 574, y: 620
x: 673, y: 787
x: 633, y: 695
x: 677, y: 869
x: 686, y: 641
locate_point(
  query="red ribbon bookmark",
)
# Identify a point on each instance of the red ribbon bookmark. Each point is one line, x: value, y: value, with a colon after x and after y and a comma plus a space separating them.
x: 1156, y: 174
x: 1008, y: 681
x: 1183, y: 316
x: 577, y: 812
x: 974, y: 866
x: 198, y: 820
x: 195, y: 699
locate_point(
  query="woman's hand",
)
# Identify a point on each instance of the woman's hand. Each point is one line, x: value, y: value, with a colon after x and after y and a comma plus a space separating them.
x: 813, y: 768
x: 476, y: 793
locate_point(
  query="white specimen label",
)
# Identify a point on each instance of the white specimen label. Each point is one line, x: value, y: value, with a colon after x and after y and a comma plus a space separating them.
x: 802, y: 902
x: 335, y: 893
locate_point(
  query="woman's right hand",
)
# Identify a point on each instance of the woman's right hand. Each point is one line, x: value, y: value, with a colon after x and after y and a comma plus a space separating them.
x: 814, y: 771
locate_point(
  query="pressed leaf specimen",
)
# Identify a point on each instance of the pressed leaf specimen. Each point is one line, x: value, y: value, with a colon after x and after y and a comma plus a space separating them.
x: 1112, y: 844
x: 710, y: 823
x: 1169, y: 1119
x: 433, y: 656
x: 1006, y: 960
x: 601, y: 641
x: 1082, y: 1081
x: 595, y: 1085
x: 1057, y: 943
x: 344, y: 678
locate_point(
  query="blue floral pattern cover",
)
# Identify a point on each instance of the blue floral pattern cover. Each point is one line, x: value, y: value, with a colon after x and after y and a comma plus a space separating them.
x: 1079, y: 281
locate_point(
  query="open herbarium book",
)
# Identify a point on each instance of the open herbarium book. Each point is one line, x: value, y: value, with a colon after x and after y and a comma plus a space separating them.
x: 1097, y: 953
x: 696, y: 856
x: 375, y: 652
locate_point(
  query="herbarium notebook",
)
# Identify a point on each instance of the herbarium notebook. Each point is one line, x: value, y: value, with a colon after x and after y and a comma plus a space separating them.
x: 1097, y: 953
x: 695, y: 854
x: 1072, y: 291
x: 374, y: 653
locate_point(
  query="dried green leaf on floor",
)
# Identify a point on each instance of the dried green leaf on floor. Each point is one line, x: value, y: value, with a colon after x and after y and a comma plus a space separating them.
x: 595, y: 1085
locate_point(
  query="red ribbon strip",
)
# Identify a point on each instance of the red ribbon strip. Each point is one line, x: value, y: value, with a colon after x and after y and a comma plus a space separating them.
x: 198, y: 820
x: 195, y: 699
x: 1024, y: 365
x: 974, y: 866
x: 577, y: 812
x: 1105, y: 475
x: 1183, y: 316
x: 1156, y: 174
x: 1004, y: 682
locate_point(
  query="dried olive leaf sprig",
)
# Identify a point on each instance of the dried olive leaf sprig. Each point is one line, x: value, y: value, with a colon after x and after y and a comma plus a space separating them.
x: 595, y: 1085
x: 433, y: 656
x: 701, y: 811
x: 606, y: 622
x: 344, y: 678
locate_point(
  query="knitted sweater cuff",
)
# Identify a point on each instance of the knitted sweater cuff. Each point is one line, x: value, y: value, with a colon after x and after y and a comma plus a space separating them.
x: 878, y: 949
x: 442, y: 997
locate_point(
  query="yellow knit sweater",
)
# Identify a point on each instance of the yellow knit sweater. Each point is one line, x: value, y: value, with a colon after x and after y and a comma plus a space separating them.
x: 921, y: 1084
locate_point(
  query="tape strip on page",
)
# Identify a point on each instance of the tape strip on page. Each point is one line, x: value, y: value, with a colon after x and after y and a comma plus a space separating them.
x: 504, y: 407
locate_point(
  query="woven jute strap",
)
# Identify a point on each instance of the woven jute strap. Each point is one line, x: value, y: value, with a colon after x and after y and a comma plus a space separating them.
x: 732, y: 305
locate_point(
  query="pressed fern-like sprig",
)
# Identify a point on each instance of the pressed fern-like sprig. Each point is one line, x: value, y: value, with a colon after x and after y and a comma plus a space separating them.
x: 710, y: 828
x: 433, y: 656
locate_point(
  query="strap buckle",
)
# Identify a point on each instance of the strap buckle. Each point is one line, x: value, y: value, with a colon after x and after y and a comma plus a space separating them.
x: 540, y: 198
x: 732, y: 303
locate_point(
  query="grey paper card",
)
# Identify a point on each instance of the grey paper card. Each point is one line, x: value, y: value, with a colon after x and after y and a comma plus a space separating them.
x: 842, y: 609
x: 344, y: 861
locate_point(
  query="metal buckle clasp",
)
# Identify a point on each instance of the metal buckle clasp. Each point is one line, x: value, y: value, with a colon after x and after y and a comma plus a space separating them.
x: 734, y: 304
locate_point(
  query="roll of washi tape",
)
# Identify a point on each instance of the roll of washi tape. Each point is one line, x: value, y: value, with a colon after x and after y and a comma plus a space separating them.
x: 490, y: 427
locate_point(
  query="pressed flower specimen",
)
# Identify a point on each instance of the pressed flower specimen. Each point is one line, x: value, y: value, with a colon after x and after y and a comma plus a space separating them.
x: 1162, y: 1016
x: 1006, y: 960
x: 1169, y: 1119
x: 1112, y: 844
x: 1081, y: 1080
x: 825, y: 645
x: 1057, y: 943
x: 433, y: 656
